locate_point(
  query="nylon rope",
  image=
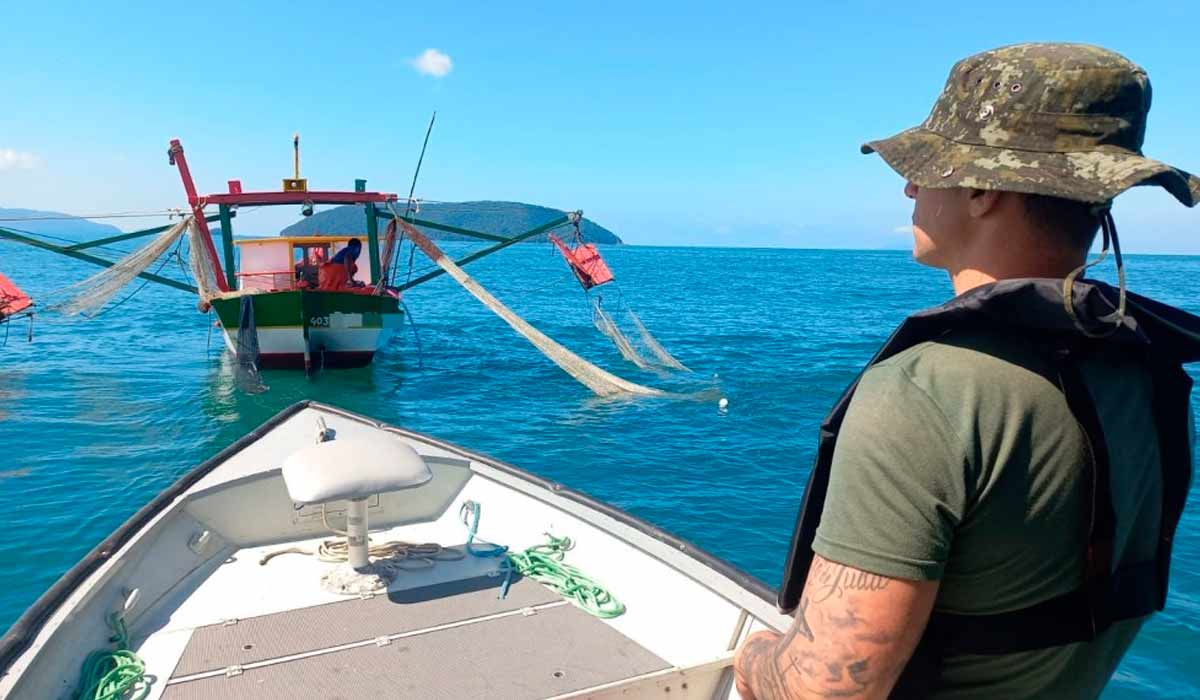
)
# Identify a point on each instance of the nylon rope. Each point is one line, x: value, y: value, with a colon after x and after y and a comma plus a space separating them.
x: 545, y: 564
x: 113, y: 674
x: 394, y: 554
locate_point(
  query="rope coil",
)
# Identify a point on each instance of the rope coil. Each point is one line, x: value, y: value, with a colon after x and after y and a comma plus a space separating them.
x: 545, y: 564
x: 116, y: 674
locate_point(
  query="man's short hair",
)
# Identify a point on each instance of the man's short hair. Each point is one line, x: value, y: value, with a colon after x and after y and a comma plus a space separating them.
x: 354, y: 242
x: 1068, y: 222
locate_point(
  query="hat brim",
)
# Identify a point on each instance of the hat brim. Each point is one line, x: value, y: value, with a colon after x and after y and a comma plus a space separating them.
x: 928, y: 159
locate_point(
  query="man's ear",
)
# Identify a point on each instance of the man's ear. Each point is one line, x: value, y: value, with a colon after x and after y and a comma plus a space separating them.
x: 980, y: 203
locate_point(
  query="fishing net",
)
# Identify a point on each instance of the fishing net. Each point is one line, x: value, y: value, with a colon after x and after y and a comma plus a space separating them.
x: 246, y: 349
x: 202, y: 269
x: 605, y: 325
x: 88, y: 296
x: 664, y: 357
x: 602, y: 383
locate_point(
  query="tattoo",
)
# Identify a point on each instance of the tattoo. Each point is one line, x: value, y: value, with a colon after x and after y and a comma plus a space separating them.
x: 801, y: 624
x: 850, y: 619
x: 858, y: 671
x: 829, y: 579
x: 837, y: 665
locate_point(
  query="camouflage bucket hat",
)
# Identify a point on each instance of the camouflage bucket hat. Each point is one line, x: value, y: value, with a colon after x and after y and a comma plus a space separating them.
x: 1065, y: 120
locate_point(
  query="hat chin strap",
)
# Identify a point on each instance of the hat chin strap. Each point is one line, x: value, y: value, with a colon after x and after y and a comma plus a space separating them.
x: 1108, y: 229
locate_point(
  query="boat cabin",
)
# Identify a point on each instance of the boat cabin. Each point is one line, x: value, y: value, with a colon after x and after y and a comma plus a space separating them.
x: 289, y: 263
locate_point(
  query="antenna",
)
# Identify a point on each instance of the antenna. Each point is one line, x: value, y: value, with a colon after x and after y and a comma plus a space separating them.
x: 420, y: 160
x: 295, y: 183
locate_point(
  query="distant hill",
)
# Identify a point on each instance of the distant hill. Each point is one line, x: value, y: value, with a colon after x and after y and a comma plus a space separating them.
x: 53, y: 223
x: 501, y: 218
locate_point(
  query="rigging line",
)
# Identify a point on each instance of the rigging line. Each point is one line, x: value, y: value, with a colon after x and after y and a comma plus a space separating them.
x: 72, y: 241
x: 142, y: 286
x: 420, y: 160
x: 74, y: 217
x: 411, y: 190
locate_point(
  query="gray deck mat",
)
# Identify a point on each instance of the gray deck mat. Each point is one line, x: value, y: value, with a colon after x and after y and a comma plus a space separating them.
x: 557, y: 650
x: 322, y: 626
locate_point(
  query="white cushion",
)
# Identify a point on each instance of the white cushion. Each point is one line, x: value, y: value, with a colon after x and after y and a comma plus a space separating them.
x: 353, y: 468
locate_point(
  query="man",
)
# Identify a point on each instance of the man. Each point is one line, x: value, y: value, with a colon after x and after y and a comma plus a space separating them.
x: 993, y: 503
x: 339, y: 272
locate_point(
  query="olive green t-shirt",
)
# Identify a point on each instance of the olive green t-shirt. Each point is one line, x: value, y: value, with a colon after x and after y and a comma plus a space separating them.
x: 959, y: 460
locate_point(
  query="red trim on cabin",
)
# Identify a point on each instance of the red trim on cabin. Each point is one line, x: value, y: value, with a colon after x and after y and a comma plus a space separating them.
x: 323, y: 197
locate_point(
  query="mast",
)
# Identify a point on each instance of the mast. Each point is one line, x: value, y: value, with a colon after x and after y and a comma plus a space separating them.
x: 175, y: 154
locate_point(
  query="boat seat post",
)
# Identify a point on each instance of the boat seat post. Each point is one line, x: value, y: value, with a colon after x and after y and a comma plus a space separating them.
x: 356, y: 533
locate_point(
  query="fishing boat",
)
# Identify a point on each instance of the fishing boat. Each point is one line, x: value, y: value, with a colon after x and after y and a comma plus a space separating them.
x: 273, y: 285
x: 477, y: 579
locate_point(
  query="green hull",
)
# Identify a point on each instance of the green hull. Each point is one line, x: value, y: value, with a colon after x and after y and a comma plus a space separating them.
x: 333, y: 328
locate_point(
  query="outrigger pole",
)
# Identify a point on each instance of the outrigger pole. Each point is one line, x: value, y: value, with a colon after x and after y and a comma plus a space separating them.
x: 501, y: 244
x: 73, y: 251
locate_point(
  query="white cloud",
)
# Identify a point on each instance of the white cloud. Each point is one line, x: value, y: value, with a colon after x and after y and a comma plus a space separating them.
x: 906, y: 228
x: 434, y: 63
x: 11, y: 159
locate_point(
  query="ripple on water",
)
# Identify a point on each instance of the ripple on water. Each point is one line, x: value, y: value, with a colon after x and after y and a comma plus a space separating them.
x: 97, y: 417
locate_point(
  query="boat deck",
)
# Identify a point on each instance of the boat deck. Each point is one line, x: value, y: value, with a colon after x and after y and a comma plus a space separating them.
x: 222, y: 602
x: 437, y: 632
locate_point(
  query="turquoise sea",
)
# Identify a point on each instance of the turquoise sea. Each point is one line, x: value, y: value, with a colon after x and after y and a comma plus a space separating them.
x: 97, y: 416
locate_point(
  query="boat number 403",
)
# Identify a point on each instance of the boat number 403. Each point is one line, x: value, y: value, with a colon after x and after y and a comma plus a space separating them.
x: 319, y: 322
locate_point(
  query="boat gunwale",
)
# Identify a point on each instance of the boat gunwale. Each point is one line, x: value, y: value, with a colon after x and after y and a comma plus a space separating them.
x: 21, y: 635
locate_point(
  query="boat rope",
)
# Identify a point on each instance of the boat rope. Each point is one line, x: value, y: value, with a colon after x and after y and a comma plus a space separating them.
x: 469, y: 513
x: 544, y: 563
x: 416, y: 335
x: 395, y: 554
x: 601, y: 382
x: 113, y: 674
x: 117, y: 215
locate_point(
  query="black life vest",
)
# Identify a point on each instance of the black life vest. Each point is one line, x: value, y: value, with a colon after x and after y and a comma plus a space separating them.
x: 1167, y: 338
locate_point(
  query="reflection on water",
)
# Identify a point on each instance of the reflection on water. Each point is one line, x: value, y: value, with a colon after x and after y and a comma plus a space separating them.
x: 96, y: 417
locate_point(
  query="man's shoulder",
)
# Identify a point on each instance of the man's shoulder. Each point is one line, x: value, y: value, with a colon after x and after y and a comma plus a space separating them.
x: 969, y: 362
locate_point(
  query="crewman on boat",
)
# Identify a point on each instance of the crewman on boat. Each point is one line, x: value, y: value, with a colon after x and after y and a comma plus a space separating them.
x: 339, y: 272
x: 993, y: 503
x: 308, y: 269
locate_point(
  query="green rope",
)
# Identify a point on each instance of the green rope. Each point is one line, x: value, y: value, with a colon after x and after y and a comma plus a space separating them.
x: 544, y: 563
x: 115, y: 674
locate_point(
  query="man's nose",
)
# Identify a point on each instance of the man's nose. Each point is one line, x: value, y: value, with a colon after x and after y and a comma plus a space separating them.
x: 910, y: 190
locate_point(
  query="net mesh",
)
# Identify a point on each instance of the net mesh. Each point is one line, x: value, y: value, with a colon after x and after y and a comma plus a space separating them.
x: 664, y: 357
x: 88, y: 296
x: 605, y: 325
x: 601, y: 383
x: 203, y: 273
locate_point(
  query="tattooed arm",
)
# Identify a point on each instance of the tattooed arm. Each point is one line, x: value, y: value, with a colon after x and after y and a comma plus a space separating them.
x: 853, y: 633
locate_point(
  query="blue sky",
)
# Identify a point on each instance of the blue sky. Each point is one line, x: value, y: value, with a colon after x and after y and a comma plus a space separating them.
x: 675, y: 124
